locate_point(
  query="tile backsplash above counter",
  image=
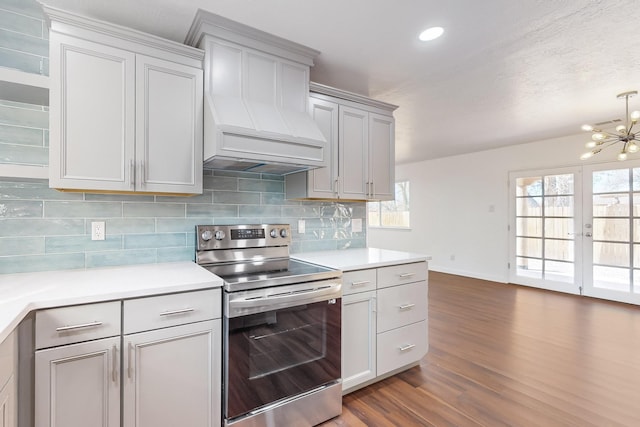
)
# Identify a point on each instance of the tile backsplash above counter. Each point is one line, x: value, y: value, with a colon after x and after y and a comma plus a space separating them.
x: 43, y: 229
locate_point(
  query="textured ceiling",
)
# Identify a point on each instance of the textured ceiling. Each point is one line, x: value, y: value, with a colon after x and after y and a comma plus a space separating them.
x: 505, y: 72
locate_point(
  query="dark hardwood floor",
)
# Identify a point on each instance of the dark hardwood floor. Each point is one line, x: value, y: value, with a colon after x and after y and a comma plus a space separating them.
x: 505, y: 355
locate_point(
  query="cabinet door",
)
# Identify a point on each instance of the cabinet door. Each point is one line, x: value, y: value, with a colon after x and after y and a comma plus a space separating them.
x: 354, y: 161
x: 358, y: 339
x: 322, y: 181
x: 92, y: 115
x: 381, y: 157
x: 168, y: 126
x: 78, y: 385
x: 172, y: 376
x: 8, y: 404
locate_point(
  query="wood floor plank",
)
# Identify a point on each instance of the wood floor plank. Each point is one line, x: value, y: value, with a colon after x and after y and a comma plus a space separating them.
x: 506, y: 355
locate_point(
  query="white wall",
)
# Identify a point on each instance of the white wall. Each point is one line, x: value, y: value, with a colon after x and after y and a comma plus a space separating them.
x: 460, y: 205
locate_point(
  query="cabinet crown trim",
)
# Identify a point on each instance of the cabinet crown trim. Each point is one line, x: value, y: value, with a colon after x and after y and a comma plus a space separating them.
x: 349, y: 96
x: 57, y: 16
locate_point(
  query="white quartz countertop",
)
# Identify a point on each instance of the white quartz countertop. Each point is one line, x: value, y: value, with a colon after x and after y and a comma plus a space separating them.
x: 24, y: 292
x: 358, y: 259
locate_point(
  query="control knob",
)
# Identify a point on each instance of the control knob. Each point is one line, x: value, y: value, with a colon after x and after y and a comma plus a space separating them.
x: 207, y: 235
x: 283, y: 233
x: 273, y: 233
x: 220, y: 235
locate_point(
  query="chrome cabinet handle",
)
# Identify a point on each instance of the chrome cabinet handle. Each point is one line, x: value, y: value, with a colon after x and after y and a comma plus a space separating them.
x: 132, y: 174
x: 335, y: 186
x: 360, y: 283
x: 114, y: 370
x: 80, y: 326
x: 406, y: 307
x: 404, y: 275
x: 129, y: 368
x: 406, y: 347
x: 180, y: 311
x: 141, y: 172
x: 371, y: 193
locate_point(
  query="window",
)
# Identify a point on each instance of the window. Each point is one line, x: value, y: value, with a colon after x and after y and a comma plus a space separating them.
x: 391, y: 214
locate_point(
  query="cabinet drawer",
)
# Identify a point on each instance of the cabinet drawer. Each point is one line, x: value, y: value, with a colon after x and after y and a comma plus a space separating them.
x: 67, y: 325
x: 403, y: 273
x: 145, y: 314
x: 401, y: 305
x: 358, y: 281
x: 8, y: 358
x: 402, y: 346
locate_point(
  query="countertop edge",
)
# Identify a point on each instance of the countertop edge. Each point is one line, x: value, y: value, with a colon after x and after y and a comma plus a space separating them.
x: 360, y: 259
x: 13, y: 312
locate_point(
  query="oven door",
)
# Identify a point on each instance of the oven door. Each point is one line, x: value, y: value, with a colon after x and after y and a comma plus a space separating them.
x: 288, y: 345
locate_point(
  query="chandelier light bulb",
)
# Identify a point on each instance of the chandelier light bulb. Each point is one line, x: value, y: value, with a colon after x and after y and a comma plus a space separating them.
x: 621, y: 129
x: 586, y: 155
x: 635, y: 115
x: 632, y: 147
x: 622, y: 156
x: 590, y: 144
x: 597, y: 136
x: 587, y: 128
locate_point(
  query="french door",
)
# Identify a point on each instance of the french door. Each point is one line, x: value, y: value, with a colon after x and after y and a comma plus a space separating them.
x: 577, y: 230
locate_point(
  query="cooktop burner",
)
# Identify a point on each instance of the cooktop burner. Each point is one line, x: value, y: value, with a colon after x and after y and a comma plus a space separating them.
x: 254, y: 256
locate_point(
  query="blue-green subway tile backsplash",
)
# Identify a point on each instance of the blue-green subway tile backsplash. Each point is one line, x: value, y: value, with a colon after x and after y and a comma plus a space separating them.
x: 43, y: 229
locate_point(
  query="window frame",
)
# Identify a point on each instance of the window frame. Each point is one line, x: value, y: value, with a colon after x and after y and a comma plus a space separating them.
x: 380, y: 203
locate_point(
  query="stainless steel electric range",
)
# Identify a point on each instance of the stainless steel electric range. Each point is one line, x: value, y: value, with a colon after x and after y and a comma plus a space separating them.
x: 282, y: 320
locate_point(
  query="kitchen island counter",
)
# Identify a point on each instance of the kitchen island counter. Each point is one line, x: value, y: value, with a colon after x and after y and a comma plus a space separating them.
x: 24, y: 292
x: 359, y: 259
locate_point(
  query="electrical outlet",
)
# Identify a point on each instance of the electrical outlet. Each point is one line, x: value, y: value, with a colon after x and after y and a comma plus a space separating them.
x: 301, y: 226
x: 97, y: 230
x: 356, y: 225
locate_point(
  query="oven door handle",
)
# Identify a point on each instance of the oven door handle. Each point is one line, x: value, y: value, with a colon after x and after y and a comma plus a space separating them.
x: 289, y: 298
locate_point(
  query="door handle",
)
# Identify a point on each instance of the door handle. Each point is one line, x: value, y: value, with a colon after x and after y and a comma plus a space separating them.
x: 588, y: 234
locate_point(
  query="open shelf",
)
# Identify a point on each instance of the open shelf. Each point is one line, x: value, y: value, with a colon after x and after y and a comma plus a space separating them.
x: 19, y: 86
x: 24, y: 171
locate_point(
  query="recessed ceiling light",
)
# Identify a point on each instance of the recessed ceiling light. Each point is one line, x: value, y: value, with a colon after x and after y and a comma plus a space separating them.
x: 431, y: 34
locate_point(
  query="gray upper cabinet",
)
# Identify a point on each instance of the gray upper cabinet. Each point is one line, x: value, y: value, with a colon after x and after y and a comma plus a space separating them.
x: 126, y: 109
x: 361, y: 136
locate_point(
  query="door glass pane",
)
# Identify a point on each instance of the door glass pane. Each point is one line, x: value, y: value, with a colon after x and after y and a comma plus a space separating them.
x: 529, y: 206
x: 561, y: 271
x: 611, y: 205
x: 558, y: 184
x: 636, y: 204
x: 529, y: 227
x: 529, y: 247
x: 558, y: 206
x: 636, y: 179
x: 561, y: 228
x: 529, y: 267
x: 616, y: 279
x: 612, y: 254
x: 636, y: 256
x: 531, y: 186
x: 610, y: 180
x: 559, y: 250
x: 636, y: 281
x: 611, y: 229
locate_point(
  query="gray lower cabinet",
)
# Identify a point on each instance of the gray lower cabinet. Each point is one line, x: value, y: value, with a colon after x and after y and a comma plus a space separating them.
x: 160, y: 367
x: 8, y: 382
x: 384, y: 322
x: 78, y: 385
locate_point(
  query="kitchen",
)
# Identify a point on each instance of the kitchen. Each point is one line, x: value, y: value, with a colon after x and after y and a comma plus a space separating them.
x: 84, y: 233
x: 46, y: 230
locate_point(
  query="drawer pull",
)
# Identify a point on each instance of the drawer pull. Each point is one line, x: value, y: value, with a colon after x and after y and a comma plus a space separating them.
x: 360, y: 283
x: 405, y: 275
x: 81, y: 326
x: 181, y: 311
x: 406, y: 307
x: 407, y: 347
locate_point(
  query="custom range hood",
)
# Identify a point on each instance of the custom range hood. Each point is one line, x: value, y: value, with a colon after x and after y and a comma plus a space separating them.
x: 256, y: 96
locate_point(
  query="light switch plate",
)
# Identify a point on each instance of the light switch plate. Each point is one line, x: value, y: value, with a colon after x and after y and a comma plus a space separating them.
x: 356, y: 225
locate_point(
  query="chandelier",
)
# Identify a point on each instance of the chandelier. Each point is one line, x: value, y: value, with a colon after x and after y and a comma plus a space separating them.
x: 601, y: 139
